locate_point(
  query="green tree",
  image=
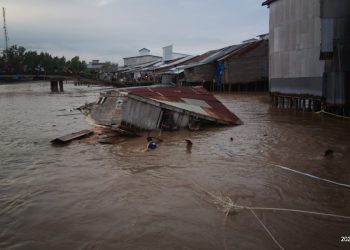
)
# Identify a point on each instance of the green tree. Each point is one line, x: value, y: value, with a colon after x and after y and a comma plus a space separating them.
x: 76, y: 65
x: 17, y: 60
x: 14, y: 58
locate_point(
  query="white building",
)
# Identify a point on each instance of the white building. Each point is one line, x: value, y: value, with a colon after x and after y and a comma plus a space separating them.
x: 143, y: 57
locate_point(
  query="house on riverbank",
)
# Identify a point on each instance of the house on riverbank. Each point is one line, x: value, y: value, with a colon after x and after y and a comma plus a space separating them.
x: 247, y: 67
x: 238, y: 67
x: 233, y: 68
x: 310, y: 54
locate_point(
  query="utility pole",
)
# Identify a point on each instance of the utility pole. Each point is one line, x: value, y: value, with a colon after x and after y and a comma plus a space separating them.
x: 5, y: 29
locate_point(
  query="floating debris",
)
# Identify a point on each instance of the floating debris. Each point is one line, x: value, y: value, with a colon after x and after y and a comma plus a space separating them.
x: 329, y: 153
x: 73, y: 136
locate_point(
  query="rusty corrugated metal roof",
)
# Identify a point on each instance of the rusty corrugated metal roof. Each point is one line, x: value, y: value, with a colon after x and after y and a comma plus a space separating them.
x: 192, y: 99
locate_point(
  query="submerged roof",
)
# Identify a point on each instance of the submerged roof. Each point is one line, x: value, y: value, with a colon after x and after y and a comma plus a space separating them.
x: 195, y: 100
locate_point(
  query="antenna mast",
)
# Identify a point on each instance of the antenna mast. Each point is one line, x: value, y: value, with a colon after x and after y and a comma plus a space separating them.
x: 5, y: 28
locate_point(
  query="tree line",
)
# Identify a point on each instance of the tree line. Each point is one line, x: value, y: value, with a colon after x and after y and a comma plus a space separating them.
x: 17, y: 60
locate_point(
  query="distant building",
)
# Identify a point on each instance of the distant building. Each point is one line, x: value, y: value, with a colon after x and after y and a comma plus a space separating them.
x: 143, y: 57
x: 152, y: 69
x: 103, y: 70
x: 310, y: 51
x: 144, y: 52
x: 95, y: 66
x: 169, y: 54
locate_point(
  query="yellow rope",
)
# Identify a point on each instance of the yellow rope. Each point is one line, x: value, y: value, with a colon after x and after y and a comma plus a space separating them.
x: 328, y: 113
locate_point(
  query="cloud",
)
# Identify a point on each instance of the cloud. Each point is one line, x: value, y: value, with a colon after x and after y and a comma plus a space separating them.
x: 113, y: 29
x: 102, y: 3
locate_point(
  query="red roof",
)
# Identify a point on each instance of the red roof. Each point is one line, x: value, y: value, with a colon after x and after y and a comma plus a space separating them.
x: 211, y: 106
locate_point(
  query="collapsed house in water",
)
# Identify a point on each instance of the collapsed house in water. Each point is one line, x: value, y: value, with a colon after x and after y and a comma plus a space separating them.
x: 168, y: 108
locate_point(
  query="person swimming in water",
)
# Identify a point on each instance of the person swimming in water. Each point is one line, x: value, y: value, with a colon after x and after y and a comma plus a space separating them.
x: 152, y: 142
x: 188, y: 145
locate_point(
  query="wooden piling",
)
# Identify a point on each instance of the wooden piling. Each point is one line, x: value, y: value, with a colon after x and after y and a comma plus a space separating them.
x: 54, y: 86
x: 61, y: 86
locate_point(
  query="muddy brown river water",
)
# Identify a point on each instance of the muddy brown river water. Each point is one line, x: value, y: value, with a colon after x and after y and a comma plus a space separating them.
x: 94, y: 196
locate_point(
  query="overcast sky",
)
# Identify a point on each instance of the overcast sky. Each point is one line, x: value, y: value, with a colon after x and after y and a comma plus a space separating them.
x: 113, y: 29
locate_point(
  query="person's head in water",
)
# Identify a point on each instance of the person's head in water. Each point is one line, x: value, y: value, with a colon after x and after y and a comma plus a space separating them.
x: 328, y: 153
x: 188, y: 145
x: 151, y: 143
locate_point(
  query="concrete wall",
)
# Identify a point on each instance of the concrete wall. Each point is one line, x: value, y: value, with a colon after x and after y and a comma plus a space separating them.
x: 295, y: 44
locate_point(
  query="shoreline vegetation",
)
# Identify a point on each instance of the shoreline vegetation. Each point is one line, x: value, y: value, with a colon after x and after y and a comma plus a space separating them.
x: 18, y: 60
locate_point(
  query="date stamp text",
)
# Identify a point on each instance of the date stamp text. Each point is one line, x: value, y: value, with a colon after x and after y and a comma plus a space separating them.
x: 345, y: 239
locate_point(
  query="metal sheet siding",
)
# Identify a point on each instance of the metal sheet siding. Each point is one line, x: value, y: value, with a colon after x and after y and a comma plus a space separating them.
x: 304, y: 86
x: 295, y: 45
x: 141, y: 115
x: 181, y: 120
x: 327, y: 35
x: 335, y: 88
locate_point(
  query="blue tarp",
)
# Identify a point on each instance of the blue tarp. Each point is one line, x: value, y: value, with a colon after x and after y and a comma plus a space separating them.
x: 219, y: 72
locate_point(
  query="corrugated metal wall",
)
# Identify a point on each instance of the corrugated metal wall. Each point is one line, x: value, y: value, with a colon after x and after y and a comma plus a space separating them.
x: 141, y: 115
x: 327, y: 33
x: 335, y: 16
x: 181, y: 120
x: 295, y: 44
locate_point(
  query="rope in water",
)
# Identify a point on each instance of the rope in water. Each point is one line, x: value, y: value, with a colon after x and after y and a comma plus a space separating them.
x: 311, y: 176
x: 229, y: 205
x: 236, y: 206
x: 293, y: 210
x: 328, y: 113
x: 267, y: 230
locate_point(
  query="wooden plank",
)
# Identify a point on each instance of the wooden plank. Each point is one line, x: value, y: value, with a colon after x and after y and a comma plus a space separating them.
x: 72, y: 136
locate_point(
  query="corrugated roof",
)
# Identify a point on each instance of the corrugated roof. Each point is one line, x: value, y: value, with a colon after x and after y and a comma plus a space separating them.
x: 242, y: 50
x: 140, y: 67
x: 212, y: 56
x: 177, y: 62
x: 268, y: 2
x: 192, y: 99
x: 142, y: 56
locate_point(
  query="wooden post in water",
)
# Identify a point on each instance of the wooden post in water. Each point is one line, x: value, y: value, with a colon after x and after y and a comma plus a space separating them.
x: 61, y: 85
x: 54, y: 86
